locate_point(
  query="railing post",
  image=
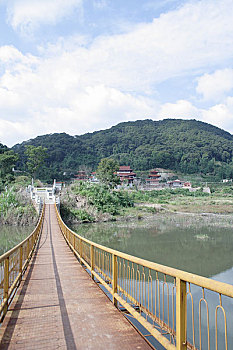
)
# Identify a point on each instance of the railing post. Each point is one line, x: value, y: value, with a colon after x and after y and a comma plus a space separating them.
x: 92, y: 261
x: 6, y: 284
x: 21, y: 261
x: 81, y: 250
x: 28, y: 249
x: 181, y: 314
x: 74, y: 243
x: 34, y: 239
x: 114, y: 278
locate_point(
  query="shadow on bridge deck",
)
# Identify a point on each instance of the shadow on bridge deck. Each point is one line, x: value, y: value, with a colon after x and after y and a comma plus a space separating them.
x: 58, y: 306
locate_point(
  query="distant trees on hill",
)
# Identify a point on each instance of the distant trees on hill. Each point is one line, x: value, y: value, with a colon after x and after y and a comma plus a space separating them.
x: 8, y: 159
x: 188, y: 146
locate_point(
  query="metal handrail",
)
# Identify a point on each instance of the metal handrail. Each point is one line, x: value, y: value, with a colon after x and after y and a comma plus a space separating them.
x: 13, y: 265
x: 129, y: 280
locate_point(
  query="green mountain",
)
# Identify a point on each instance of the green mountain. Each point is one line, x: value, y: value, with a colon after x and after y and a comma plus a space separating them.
x: 189, y: 146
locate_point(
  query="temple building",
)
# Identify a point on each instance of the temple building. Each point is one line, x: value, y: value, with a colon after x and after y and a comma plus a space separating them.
x: 126, y: 174
x: 81, y: 176
x: 153, y: 178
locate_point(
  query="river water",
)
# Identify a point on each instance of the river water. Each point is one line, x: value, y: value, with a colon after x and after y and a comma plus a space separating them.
x: 200, y: 244
x: 10, y: 236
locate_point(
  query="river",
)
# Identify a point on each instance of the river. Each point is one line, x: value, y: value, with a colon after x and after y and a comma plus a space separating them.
x: 200, y: 244
x: 10, y: 236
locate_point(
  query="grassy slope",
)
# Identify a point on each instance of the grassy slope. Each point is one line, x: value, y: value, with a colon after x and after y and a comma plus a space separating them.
x: 15, y: 204
x: 220, y: 201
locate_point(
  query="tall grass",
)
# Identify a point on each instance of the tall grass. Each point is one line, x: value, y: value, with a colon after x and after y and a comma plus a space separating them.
x: 16, y: 208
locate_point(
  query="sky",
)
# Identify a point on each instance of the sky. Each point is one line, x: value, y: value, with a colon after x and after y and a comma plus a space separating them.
x: 78, y: 66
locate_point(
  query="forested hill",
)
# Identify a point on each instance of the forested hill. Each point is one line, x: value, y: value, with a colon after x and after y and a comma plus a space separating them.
x: 188, y: 146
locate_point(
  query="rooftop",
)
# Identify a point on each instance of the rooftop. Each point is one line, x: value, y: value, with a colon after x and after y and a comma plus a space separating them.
x: 124, y: 167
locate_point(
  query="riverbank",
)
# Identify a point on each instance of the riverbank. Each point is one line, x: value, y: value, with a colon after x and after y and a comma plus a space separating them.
x: 80, y: 203
x: 16, y: 208
x: 85, y: 202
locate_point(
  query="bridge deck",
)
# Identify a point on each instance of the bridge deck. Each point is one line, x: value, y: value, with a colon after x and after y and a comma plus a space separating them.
x: 58, y: 306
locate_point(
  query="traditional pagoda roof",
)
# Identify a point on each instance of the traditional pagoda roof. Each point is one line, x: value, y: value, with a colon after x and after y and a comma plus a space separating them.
x: 153, y: 177
x: 154, y: 173
x: 126, y: 174
x: 81, y: 175
x: 125, y: 167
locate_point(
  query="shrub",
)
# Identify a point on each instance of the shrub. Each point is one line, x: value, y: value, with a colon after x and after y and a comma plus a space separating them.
x: 82, y: 215
x: 102, y: 198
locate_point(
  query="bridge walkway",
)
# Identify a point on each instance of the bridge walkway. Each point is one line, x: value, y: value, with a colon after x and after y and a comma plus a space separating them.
x: 58, y: 306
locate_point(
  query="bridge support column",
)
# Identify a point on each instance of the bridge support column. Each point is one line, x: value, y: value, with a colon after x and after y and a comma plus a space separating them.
x: 181, y: 314
x: 114, y: 278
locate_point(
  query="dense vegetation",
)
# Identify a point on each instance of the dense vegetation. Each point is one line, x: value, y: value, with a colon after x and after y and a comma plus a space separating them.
x: 102, y: 198
x: 16, y: 207
x: 8, y: 159
x: 187, y: 146
x: 86, y: 202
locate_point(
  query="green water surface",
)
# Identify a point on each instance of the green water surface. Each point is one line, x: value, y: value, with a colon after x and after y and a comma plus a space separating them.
x: 201, y: 244
x: 10, y: 236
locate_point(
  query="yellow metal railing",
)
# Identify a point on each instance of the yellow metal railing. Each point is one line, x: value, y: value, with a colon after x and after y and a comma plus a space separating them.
x: 13, y: 264
x: 171, y: 304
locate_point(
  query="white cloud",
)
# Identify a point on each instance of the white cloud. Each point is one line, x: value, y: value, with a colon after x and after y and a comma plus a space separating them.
x: 11, y: 131
x: 180, y: 42
x: 181, y: 109
x: 78, y: 86
x: 220, y: 115
x: 215, y: 86
x: 9, y: 54
x: 26, y: 15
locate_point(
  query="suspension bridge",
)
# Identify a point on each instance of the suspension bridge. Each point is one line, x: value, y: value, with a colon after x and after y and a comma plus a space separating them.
x: 59, y: 290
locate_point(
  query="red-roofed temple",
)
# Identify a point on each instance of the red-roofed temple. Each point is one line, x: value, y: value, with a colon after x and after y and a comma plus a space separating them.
x: 126, y: 174
x: 153, y: 178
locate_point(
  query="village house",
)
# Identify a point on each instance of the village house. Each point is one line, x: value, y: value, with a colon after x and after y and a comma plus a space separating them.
x: 153, y: 178
x: 187, y: 184
x: 175, y: 183
x: 126, y: 175
x: 179, y: 184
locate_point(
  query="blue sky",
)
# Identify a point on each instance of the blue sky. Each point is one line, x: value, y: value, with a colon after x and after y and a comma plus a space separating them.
x: 77, y: 66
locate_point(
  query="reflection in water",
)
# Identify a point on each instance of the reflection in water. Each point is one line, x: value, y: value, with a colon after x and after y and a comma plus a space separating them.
x: 12, y: 235
x: 197, y: 244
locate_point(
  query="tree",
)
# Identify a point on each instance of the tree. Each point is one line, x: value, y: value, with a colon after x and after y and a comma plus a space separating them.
x: 36, y: 157
x: 106, y: 172
x: 7, y: 163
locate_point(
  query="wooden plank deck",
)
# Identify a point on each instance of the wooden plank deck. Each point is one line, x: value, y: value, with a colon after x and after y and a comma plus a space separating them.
x: 58, y: 306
